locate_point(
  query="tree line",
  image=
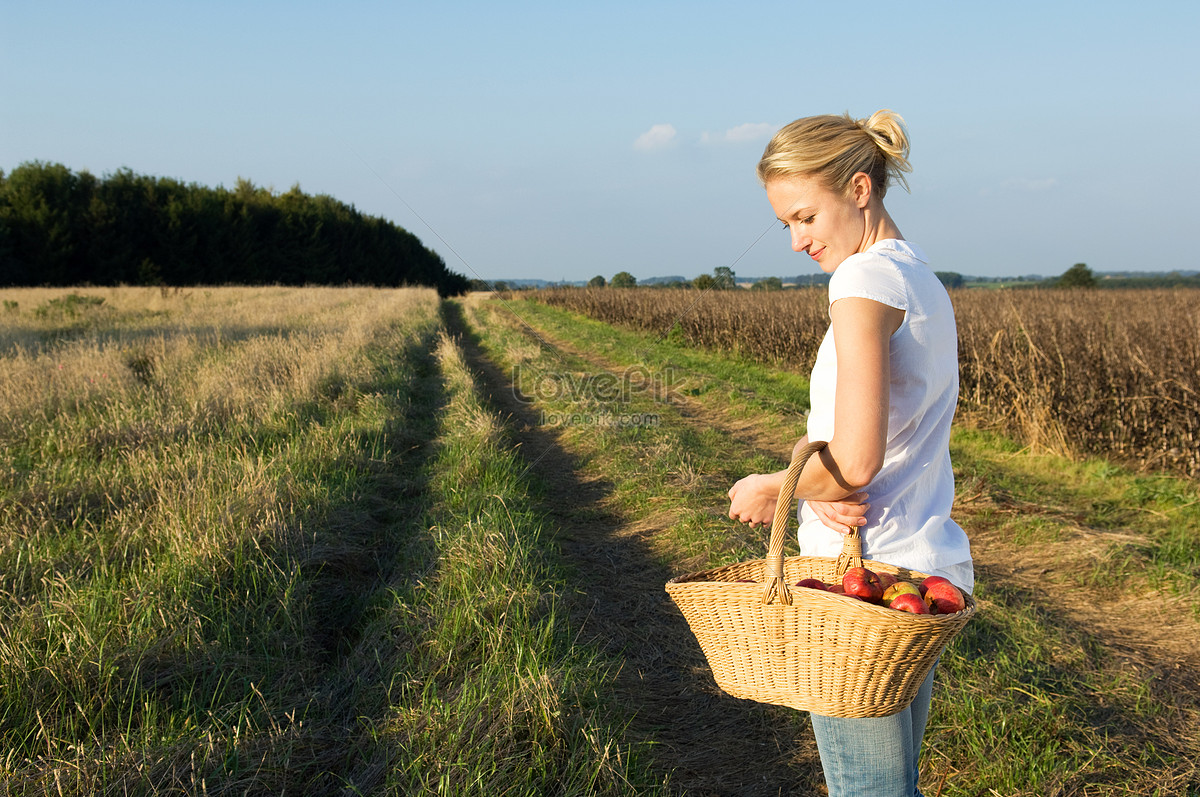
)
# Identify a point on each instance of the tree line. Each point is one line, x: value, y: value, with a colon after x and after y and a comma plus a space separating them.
x: 59, y: 227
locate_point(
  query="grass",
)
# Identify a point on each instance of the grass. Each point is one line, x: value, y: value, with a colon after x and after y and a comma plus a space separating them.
x: 494, y: 698
x: 285, y: 541
x: 216, y: 567
x: 183, y: 553
x: 1148, y: 524
x: 662, y: 464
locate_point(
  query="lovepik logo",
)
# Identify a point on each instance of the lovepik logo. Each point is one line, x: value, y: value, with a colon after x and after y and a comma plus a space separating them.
x: 603, y: 387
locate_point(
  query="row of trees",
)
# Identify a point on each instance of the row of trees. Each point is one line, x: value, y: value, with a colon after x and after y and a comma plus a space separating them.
x: 58, y: 227
x: 1078, y: 276
x: 721, y: 279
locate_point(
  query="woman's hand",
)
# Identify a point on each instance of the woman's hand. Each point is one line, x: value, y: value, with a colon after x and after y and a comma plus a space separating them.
x: 841, y: 515
x: 753, y: 498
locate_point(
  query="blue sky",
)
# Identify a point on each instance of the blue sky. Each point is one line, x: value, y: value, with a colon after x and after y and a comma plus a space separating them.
x: 560, y: 141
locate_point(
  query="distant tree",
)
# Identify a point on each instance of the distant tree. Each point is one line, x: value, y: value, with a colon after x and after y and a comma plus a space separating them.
x: 1077, y: 276
x: 704, y: 282
x: 623, y: 279
x: 951, y: 279
x: 597, y: 282
x: 768, y: 284
x: 723, y: 278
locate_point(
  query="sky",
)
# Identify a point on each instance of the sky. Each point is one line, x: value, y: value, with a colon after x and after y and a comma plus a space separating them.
x: 560, y: 141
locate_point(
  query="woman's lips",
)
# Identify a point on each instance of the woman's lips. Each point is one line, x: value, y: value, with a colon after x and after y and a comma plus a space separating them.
x: 817, y: 254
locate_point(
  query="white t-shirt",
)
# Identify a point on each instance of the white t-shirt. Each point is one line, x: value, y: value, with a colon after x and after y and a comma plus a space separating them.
x: 909, y: 522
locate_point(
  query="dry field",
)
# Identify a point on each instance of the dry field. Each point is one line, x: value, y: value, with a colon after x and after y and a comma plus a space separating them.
x: 1111, y: 373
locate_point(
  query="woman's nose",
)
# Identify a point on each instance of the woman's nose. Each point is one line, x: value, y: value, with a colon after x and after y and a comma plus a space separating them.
x: 800, y: 241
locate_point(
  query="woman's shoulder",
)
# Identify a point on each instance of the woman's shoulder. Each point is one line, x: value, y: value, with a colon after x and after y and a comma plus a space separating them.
x: 890, y: 255
x: 882, y: 272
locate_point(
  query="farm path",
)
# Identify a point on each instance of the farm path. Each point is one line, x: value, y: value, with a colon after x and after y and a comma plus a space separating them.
x: 710, y: 744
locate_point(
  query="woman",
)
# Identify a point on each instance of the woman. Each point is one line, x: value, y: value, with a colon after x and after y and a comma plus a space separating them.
x: 883, y: 393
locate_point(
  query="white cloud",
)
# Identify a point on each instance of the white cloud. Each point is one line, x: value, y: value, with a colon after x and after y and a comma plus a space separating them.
x: 751, y: 131
x: 656, y: 137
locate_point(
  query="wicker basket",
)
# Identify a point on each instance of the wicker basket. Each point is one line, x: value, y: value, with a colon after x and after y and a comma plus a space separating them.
x: 810, y: 650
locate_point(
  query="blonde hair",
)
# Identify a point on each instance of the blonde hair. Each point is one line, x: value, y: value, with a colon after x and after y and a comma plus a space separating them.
x: 835, y: 148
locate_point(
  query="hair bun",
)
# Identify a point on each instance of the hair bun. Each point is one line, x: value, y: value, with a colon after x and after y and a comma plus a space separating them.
x: 887, y: 129
x: 836, y: 148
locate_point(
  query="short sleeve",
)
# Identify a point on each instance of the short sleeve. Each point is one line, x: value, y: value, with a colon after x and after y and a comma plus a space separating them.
x: 868, y: 275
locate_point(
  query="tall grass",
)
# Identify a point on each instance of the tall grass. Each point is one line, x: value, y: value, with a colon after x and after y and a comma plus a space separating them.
x: 174, y: 472
x: 269, y: 541
x: 278, y: 541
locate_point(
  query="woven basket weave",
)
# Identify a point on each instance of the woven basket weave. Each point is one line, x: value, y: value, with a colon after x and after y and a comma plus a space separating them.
x: 804, y: 648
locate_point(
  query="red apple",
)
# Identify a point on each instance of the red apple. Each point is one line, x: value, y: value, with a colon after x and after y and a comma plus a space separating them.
x: 812, y: 583
x: 924, y: 585
x: 836, y: 589
x: 909, y: 602
x: 861, y: 583
x: 887, y: 580
x: 945, y: 596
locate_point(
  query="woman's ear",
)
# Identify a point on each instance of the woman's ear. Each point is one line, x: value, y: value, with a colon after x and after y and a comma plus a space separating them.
x: 861, y: 189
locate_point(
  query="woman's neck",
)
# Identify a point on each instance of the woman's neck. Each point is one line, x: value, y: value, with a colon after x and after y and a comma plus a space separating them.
x: 878, y: 226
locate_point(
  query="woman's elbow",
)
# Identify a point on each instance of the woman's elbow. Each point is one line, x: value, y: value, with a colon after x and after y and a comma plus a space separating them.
x: 855, y: 473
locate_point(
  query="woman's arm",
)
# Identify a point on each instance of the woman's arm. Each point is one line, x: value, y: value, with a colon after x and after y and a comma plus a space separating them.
x: 862, y: 331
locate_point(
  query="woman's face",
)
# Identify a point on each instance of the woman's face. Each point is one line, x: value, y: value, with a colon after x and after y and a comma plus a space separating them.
x: 827, y: 225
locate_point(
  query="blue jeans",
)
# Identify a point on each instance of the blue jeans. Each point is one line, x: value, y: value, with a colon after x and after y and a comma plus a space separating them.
x: 874, y: 756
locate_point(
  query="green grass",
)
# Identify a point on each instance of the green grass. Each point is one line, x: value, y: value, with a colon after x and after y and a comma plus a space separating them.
x: 1156, y: 517
x: 661, y: 465
x: 251, y: 566
x: 278, y: 541
x: 494, y: 698
x: 693, y: 372
x: 1031, y: 704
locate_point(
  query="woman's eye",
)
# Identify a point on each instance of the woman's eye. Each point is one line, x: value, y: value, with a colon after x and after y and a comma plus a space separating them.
x: 808, y: 220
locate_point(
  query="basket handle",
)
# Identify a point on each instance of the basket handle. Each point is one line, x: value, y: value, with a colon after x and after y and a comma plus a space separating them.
x: 773, y: 580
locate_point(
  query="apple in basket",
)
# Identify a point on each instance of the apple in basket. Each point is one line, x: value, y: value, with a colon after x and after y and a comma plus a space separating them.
x: 924, y: 585
x: 886, y: 580
x: 812, y: 583
x: 861, y: 583
x: 909, y: 602
x: 900, y: 588
x: 944, y: 596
